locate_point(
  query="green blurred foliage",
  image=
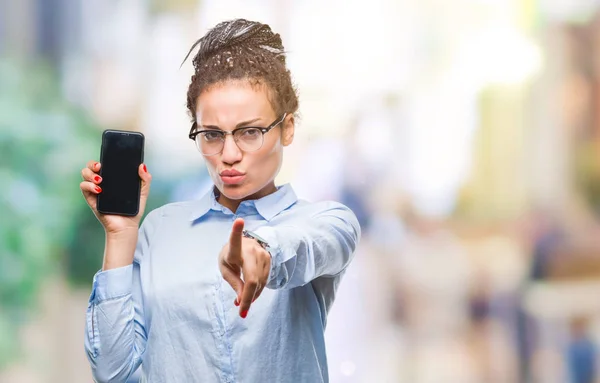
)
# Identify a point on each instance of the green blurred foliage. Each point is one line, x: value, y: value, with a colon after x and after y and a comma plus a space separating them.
x: 45, y: 225
x: 43, y: 143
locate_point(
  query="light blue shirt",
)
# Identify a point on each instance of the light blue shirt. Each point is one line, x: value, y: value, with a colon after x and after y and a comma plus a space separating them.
x: 172, y: 312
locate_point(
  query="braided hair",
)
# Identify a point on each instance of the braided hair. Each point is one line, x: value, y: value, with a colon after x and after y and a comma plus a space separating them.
x: 242, y: 50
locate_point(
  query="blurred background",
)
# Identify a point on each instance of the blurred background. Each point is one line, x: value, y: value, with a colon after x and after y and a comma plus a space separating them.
x: 464, y: 134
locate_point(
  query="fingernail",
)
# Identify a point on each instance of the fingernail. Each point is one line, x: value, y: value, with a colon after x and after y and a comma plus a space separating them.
x: 235, y: 302
x: 145, y: 169
x: 96, y: 165
x: 244, y: 314
x: 97, y: 178
x: 98, y: 189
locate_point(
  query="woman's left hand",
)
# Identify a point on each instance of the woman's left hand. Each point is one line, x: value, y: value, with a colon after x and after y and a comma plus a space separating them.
x: 245, y: 265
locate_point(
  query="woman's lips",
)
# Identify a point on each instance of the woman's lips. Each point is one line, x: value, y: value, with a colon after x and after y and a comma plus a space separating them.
x: 232, y: 180
x: 232, y: 176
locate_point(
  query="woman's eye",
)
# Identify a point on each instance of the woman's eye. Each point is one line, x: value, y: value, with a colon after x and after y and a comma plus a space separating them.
x: 211, y: 136
x: 251, y: 133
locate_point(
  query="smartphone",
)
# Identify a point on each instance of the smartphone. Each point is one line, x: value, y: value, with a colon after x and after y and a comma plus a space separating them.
x: 121, y: 154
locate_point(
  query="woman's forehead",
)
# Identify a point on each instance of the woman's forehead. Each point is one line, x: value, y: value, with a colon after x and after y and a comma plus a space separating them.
x: 232, y: 102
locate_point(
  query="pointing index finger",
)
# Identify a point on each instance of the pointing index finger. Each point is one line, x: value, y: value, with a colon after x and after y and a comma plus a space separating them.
x: 235, y: 239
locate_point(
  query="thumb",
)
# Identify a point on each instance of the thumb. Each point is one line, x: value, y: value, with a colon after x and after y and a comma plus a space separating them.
x: 234, y: 280
x: 146, y: 178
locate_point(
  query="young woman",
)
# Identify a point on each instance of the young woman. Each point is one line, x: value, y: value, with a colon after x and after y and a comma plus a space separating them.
x: 236, y: 286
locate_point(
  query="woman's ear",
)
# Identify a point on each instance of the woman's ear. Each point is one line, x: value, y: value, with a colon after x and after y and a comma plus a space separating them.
x: 287, y: 132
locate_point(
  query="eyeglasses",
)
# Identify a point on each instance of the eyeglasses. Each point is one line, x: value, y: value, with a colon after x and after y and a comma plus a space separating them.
x: 249, y: 139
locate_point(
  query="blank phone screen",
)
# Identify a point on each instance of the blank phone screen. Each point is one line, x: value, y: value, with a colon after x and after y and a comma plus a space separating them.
x: 121, y: 155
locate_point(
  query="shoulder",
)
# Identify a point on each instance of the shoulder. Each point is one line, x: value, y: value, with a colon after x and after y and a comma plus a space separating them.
x: 312, y: 210
x: 183, y: 208
x: 331, y: 214
x: 321, y: 206
x: 173, y: 210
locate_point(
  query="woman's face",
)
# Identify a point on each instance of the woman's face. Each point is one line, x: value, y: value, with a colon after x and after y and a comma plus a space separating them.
x: 235, y: 104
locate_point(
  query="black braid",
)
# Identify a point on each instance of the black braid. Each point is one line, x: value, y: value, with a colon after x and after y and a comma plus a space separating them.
x: 242, y: 49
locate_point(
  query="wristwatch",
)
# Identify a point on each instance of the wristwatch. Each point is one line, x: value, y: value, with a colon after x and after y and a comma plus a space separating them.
x: 261, y: 241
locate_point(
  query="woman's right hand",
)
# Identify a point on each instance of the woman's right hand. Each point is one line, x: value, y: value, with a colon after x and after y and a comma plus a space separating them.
x: 91, y: 186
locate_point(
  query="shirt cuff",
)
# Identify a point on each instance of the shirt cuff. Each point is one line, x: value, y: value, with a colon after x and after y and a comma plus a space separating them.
x: 111, y: 284
x: 275, y: 280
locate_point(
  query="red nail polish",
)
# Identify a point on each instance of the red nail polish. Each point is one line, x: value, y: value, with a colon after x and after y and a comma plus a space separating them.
x: 244, y: 314
x: 98, y: 189
x: 145, y: 169
x: 96, y: 164
x: 97, y: 178
x: 235, y: 302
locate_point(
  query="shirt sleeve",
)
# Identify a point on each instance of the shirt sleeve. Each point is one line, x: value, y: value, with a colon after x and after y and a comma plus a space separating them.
x: 320, y: 245
x: 115, y: 337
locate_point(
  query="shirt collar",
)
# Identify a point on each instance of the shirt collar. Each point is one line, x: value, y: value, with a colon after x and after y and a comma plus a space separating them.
x: 268, y: 206
x: 205, y: 204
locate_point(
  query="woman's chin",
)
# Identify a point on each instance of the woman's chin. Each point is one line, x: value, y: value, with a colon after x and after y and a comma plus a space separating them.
x: 243, y: 191
x: 235, y: 192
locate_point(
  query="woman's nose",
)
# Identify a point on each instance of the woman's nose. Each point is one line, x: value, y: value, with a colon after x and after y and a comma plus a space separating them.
x: 231, y: 152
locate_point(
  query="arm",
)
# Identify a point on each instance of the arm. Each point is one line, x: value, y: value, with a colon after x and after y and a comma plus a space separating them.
x: 321, y: 245
x: 115, y: 337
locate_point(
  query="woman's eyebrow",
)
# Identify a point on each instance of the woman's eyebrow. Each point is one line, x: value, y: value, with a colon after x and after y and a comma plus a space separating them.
x: 239, y: 125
